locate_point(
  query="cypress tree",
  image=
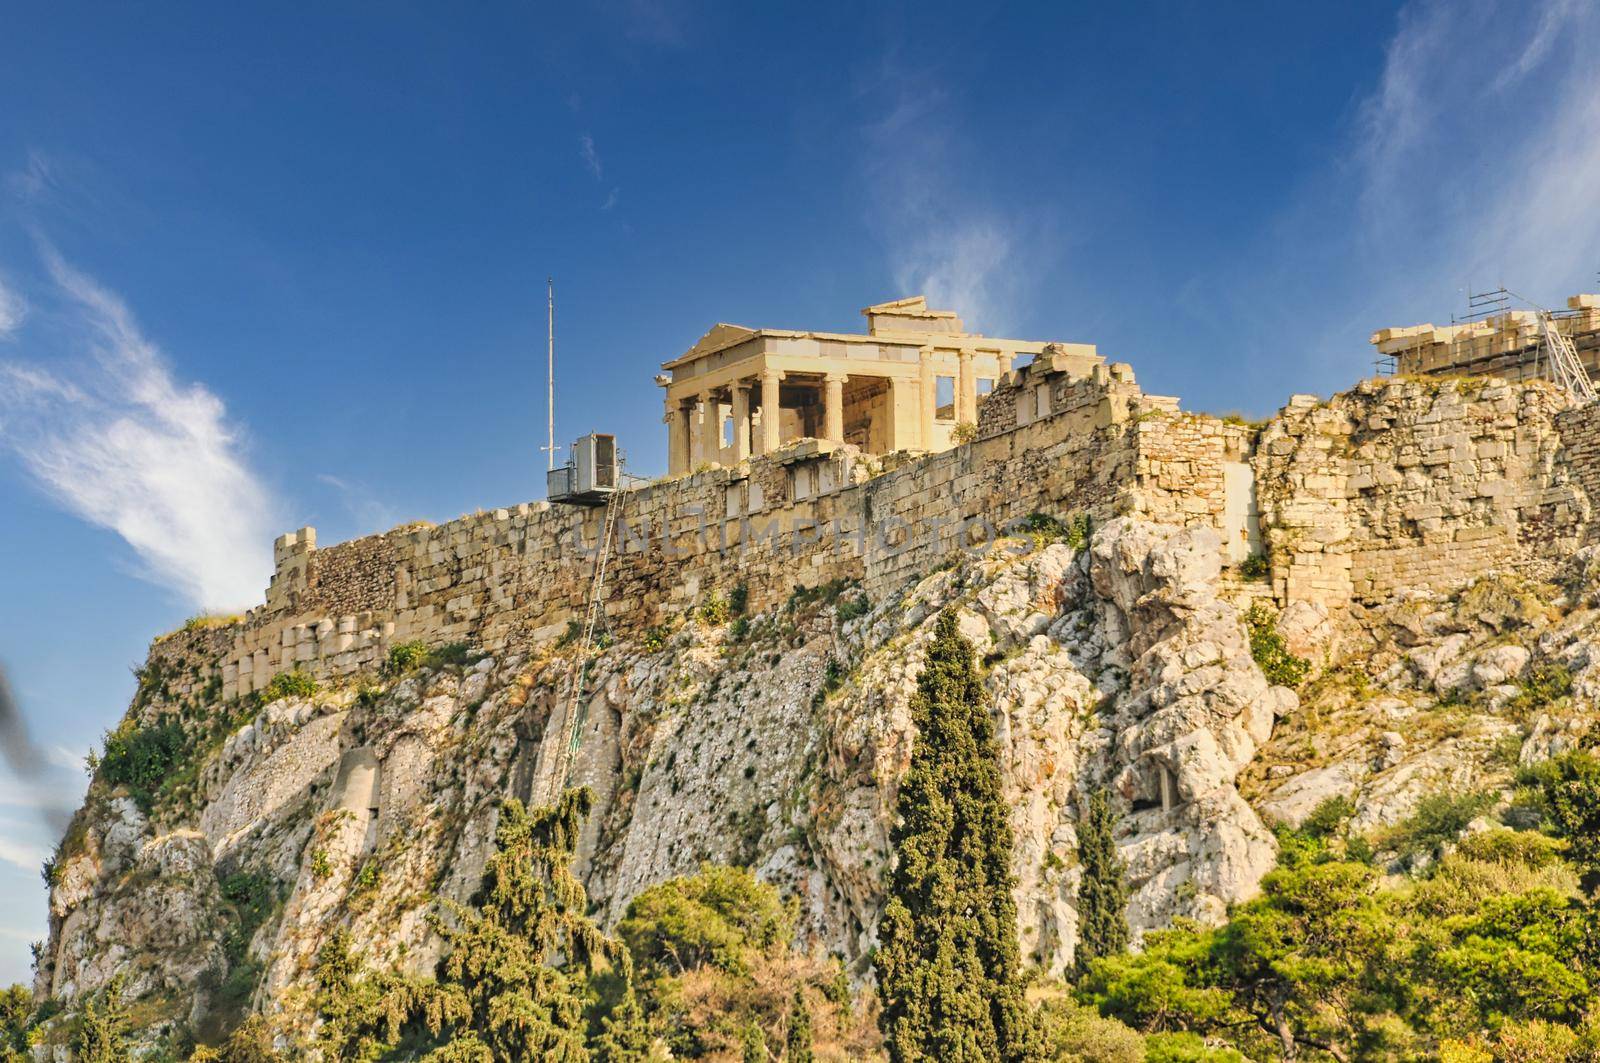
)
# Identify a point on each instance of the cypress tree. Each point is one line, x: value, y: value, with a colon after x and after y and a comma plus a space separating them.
x: 797, y: 1042
x: 947, y: 963
x: 1102, y: 892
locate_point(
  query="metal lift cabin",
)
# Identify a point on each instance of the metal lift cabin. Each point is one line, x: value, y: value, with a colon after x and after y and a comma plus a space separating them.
x: 591, y: 476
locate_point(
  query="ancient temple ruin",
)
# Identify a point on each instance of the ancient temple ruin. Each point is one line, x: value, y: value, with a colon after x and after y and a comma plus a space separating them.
x: 907, y: 384
x: 1506, y: 343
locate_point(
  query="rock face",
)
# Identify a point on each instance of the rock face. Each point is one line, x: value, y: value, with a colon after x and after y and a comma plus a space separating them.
x: 1424, y: 541
x: 776, y: 742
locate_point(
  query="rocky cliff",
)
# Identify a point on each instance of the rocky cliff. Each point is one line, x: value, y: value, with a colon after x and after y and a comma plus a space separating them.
x: 1127, y: 652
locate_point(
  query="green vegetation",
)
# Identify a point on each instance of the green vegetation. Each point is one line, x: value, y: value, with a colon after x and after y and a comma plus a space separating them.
x: 1044, y: 529
x: 655, y: 638
x: 1488, y: 955
x: 1102, y: 893
x: 739, y: 599
x: 1255, y: 567
x: 1270, y: 651
x: 103, y: 1028
x: 1438, y: 821
x: 714, y: 611
x: 520, y: 973
x: 964, y: 432
x: 16, y: 1029
x: 251, y: 899
x: 295, y: 684
x: 405, y: 657
x: 142, y: 759
x: 853, y: 607
x: 1546, y: 684
x: 719, y: 918
x: 947, y: 963
x: 1565, y: 791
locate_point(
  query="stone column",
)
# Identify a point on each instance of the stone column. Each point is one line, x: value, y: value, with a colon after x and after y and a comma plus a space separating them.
x: 710, y: 429
x: 771, y: 414
x: 678, y: 439
x: 966, y: 388
x: 833, y: 407
x: 741, y: 420
x: 929, y: 401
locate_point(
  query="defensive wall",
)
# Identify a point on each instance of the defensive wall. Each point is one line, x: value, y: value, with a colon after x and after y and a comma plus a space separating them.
x: 1399, y: 482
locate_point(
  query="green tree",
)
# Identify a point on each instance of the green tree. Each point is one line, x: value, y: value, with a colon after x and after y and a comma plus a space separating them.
x: 103, y: 1028
x: 1102, y: 890
x: 1170, y: 984
x: 1307, y: 954
x: 1567, y: 791
x: 947, y: 962
x: 716, y: 918
x: 520, y: 968
x: 16, y: 1029
x: 797, y: 1041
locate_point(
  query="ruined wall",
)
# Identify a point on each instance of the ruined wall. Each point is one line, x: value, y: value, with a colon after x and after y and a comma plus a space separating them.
x: 801, y: 517
x: 1419, y: 483
x: 1396, y: 483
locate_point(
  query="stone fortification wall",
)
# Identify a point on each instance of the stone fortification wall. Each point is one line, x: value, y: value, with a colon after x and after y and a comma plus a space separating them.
x: 1399, y: 482
x: 801, y: 517
x: 1418, y: 483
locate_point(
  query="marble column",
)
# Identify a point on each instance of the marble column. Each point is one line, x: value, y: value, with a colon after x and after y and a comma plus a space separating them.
x: 710, y: 429
x: 771, y: 414
x: 966, y: 389
x: 833, y: 407
x: 741, y: 420
x: 929, y: 400
x: 678, y: 436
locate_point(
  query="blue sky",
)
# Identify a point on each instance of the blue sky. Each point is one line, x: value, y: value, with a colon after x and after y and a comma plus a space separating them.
x: 262, y: 268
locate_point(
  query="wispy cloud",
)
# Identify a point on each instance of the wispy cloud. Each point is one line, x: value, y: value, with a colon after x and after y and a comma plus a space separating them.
x: 12, y: 311
x: 361, y: 503
x: 119, y: 441
x: 36, y: 178
x: 591, y: 157
x: 942, y: 238
x: 1489, y: 173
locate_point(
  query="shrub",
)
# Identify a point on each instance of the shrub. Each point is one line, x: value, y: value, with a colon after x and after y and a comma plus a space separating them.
x: 1255, y: 567
x: 142, y: 758
x: 714, y: 610
x: 718, y: 917
x: 964, y: 432
x: 295, y: 684
x: 1546, y: 683
x: 739, y: 599
x: 407, y: 656
x: 851, y: 608
x: 1269, y: 650
x: 1438, y: 820
x: 1044, y: 529
x: 655, y: 638
x: 1565, y: 791
x: 1071, y: 1030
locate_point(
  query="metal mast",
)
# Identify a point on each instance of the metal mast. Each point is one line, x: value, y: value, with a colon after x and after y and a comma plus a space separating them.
x: 550, y: 370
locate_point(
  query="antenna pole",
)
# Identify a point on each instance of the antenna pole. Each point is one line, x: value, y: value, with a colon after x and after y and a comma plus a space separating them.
x: 550, y: 371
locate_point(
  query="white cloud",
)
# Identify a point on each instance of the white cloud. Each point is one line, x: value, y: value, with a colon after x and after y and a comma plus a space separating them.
x: 121, y: 443
x: 1489, y: 174
x: 942, y: 239
x: 12, y: 311
x: 361, y: 503
x: 591, y: 157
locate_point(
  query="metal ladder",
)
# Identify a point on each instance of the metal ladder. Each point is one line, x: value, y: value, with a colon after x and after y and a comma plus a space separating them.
x: 576, y: 714
x: 1565, y: 367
